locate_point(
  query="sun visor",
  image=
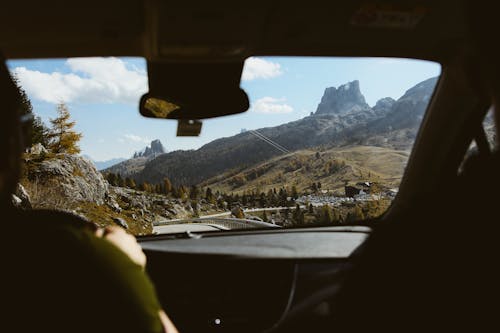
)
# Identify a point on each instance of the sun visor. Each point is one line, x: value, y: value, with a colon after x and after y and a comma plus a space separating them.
x: 193, y: 90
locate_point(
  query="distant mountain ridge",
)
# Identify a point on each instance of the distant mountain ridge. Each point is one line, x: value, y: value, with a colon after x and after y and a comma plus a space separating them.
x: 101, y: 165
x: 139, y: 160
x: 342, y: 118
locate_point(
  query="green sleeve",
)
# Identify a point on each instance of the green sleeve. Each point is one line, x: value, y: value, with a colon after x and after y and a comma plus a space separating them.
x: 131, y: 295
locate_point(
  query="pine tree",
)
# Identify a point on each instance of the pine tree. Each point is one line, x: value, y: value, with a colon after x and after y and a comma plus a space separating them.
x: 111, y: 178
x: 175, y: 192
x: 182, y: 192
x: 62, y: 138
x: 296, y: 214
x: 336, y: 217
x: 120, y: 181
x: 130, y: 183
x: 167, y: 185
x: 264, y: 216
x: 311, y: 208
x: 355, y: 215
x: 358, y: 214
x: 194, y: 193
x: 38, y: 131
x: 208, y: 194
x: 146, y: 187
x: 25, y: 103
x: 326, y: 214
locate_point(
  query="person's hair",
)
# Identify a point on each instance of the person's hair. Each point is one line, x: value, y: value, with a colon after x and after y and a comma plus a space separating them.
x: 10, y: 135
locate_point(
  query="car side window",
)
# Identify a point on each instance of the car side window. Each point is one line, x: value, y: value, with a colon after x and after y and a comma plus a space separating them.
x: 490, y: 130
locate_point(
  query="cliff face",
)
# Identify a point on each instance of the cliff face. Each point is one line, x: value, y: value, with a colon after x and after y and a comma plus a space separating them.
x: 342, y: 100
x: 67, y: 178
x: 156, y: 148
x: 138, y: 161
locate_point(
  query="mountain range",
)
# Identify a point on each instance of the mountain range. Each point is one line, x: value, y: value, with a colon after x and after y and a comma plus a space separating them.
x: 101, y: 165
x: 154, y: 149
x: 130, y: 167
x: 342, y: 119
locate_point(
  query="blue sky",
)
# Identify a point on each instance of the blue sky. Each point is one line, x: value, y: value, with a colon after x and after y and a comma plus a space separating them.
x: 103, y: 94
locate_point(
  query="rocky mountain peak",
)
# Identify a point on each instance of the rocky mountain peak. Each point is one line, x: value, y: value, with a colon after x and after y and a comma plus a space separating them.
x: 384, y: 105
x: 154, y: 149
x: 421, y: 91
x: 344, y: 99
x: 386, y: 102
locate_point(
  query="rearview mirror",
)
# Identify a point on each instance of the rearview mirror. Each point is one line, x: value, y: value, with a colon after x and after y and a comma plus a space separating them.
x: 200, y: 105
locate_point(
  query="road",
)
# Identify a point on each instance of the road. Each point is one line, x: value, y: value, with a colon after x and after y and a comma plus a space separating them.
x: 228, y: 213
x: 178, y: 228
x: 170, y: 226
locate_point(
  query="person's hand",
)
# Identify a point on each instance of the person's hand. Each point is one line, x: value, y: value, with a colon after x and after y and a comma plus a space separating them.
x: 128, y: 244
x: 125, y: 242
x: 168, y: 326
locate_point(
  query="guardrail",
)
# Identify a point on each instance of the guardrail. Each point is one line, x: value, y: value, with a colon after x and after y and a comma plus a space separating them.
x: 229, y: 223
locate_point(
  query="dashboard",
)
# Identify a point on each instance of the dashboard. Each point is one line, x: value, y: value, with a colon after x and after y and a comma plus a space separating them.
x: 251, y: 281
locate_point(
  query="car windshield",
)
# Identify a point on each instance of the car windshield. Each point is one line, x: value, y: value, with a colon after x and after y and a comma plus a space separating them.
x: 324, y: 143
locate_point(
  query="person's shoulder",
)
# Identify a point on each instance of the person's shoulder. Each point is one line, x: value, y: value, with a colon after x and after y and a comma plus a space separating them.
x: 47, y: 218
x: 103, y: 277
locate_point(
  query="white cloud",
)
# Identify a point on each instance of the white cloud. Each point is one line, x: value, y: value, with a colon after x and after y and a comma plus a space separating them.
x: 256, y: 68
x: 136, y: 138
x: 271, y: 105
x: 91, y: 80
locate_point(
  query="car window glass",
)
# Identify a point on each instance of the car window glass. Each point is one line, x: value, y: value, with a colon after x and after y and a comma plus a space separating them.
x: 325, y: 142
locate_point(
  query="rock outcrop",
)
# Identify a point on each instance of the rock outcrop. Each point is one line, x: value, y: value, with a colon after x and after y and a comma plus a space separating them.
x: 72, y: 183
x: 344, y: 99
x: 384, y: 105
x: 156, y: 148
x: 407, y: 111
x: 150, y: 206
x: 138, y: 161
x: 68, y: 178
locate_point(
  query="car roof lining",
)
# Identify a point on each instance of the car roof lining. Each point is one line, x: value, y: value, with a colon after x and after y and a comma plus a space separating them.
x: 224, y: 30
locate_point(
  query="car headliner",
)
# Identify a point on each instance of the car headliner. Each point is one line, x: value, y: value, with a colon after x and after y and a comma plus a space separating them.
x: 205, y: 31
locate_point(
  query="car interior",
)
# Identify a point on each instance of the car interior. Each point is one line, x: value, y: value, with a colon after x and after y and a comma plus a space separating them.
x: 423, y: 261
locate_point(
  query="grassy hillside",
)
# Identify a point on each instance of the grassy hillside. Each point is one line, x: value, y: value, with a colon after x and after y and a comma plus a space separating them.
x: 333, y: 168
x: 389, y: 124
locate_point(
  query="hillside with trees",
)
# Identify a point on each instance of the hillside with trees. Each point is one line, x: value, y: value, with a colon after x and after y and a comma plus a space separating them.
x: 334, y: 168
x: 342, y: 119
x: 54, y: 176
x: 282, y: 175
